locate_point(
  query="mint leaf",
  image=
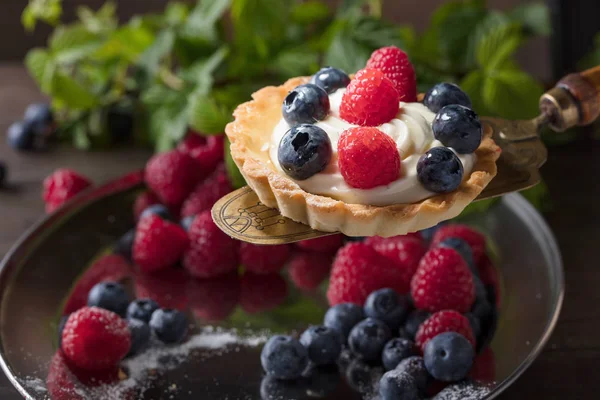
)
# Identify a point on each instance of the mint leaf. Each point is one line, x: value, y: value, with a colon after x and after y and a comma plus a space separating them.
x: 70, y: 44
x: 346, y: 53
x: 36, y: 61
x: 479, y: 207
x: 310, y: 12
x: 67, y: 92
x: 100, y: 22
x: 176, y: 14
x: 296, y: 62
x: 497, y: 43
x: 128, y: 43
x: 233, y: 172
x: 203, y: 19
x: 472, y: 84
x: 511, y: 94
x: 48, y: 11
x: 534, y: 17
x: 203, y: 70
x: 207, y: 116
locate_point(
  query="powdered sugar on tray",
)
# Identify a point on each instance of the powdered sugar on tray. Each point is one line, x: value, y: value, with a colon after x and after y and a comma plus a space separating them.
x: 463, y: 391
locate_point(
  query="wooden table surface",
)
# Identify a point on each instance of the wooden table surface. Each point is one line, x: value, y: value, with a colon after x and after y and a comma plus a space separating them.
x: 568, y: 368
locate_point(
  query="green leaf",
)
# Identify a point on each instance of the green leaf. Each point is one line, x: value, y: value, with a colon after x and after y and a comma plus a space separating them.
x: 296, y: 62
x: 80, y: 138
x: 207, y: 116
x: 204, y: 17
x: 235, y: 176
x: 48, y: 11
x: 176, y: 13
x: 534, y: 17
x: 472, y: 84
x: 479, y: 207
x: 203, y: 70
x: 497, y: 44
x: 511, y: 94
x: 100, y: 22
x: 375, y: 33
x: 127, y: 44
x: 154, y: 54
x: 351, y: 8
x: 70, y: 44
x: 593, y: 57
x: 37, y: 60
x: 346, y: 54
x: 539, y: 196
x: 67, y: 92
x: 310, y: 12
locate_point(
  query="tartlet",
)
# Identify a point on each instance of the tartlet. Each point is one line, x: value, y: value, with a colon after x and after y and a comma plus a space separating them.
x: 251, y: 130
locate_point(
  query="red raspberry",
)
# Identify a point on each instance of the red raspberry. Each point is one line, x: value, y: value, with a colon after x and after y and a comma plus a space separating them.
x: 359, y: 270
x: 394, y: 63
x: 95, y: 339
x: 108, y: 268
x: 143, y: 201
x: 443, y: 281
x: 158, y: 243
x: 308, y: 269
x: 370, y: 100
x: 166, y: 287
x: 206, y: 151
x: 62, y: 186
x: 172, y: 176
x: 489, y: 276
x: 211, y: 251
x: 444, y: 321
x: 206, y: 194
x: 404, y: 251
x: 367, y: 158
x: 264, y: 259
x: 261, y: 293
x: 214, y: 299
x: 474, y: 238
x: 484, y: 367
x: 61, y: 383
x: 328, y: 244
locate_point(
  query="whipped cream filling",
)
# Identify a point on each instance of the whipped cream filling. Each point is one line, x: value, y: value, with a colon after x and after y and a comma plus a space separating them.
x: 411, y: 130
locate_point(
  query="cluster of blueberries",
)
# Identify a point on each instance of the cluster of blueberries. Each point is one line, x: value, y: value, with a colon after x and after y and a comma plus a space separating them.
x: 305, y: 149
x: 362, y: 340
x: 144, y: 316
x: 34, y: 130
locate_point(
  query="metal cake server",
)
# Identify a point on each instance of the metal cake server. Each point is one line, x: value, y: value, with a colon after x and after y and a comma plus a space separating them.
x: 574, y: 101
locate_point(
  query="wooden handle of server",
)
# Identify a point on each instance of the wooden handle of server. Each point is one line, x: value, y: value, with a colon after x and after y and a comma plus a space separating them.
x: 575, y: 100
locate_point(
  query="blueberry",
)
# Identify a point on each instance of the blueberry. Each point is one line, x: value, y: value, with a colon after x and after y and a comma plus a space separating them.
x: 330, y: 79
x: 40, y: 117
x: 463, y: 249
x: 398, y: 385
x: 3, y: 173
x: 304, y: 151
x: 368, y: 338
x: 475, y: 324
x: 386, y: 305
x: 415, y: 367
x: 20, y: 136
x: 439, y: 170
x: 306, y: 104
x: 110, y: 296
x: 61, y: 328
x: 395, y: 351
x: 482, y: 308
x: 342, y: 317
x: 283, y: 357
x: 427, y: 234
x: 481, y: 294
x: 170, y: 326
x: 187, y: 222
x: 124, y: 245
x: 458, y: 127
x: 413, y: 322
x: 156, y: 209
x: 448, y: 357
x: 140, y: 335
x: 444, y: 94
x: 142, y: 309
x: 323, y: 344
x: 272, y: 388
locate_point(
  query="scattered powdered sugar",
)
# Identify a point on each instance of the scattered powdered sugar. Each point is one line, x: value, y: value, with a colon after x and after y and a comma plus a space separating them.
x: 463, y: 391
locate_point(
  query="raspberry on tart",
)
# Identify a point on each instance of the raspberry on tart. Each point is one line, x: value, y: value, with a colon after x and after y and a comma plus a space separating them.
x: 295, y: 146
